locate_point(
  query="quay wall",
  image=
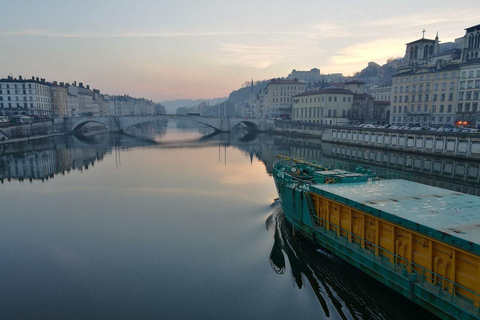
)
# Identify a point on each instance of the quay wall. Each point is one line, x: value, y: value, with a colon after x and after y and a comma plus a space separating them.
x: 458, y: 145
x: 32, y: 129
x: 298, y: 128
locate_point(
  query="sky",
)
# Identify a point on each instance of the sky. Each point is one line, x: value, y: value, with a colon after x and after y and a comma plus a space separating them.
x: 164, y: 50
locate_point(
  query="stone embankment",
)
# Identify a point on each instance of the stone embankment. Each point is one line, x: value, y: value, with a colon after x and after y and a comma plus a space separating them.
x: 31, y: 130
x: 457, y: 145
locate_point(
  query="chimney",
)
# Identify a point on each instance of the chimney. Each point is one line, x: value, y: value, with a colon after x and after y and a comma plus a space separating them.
x: 88, y: 87
x: 80, y: 84
x: 37, y: 79
x: 20, y: 77
x: 42, y: 80
x: 10, y: 78
x: 33, y: 78
x: 75, y: 83
x: 55, y: 83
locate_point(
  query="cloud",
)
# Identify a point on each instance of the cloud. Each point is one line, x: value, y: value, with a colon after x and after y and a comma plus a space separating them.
x: 369, y: 51
x: 257, y: 56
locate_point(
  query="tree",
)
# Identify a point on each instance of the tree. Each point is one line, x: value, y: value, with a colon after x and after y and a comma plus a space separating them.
x: 159, y: 108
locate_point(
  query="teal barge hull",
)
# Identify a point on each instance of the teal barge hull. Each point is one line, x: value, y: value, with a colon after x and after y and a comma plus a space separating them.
x: 396, y: 241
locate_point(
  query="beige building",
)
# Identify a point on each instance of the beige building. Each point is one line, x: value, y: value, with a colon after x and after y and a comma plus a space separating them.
x: 59, y: 95
x: 381, y: 93
x: 328, y: 106
x: 468, y: 112
x: 277, y: 98
x: 426, y: 96
x: 355, y: 86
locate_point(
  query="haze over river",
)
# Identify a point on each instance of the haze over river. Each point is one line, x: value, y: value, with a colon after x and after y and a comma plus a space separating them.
x: 116, y: 227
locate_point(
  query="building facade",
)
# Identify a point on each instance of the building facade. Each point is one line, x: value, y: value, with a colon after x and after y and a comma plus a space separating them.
x: 277, y: 98
x: 21, y: 96
x: 467, y: 113
x: 327, y: 106
x: 425, y: 96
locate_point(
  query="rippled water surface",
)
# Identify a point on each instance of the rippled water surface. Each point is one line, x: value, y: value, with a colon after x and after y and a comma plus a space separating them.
x: 115, y: 227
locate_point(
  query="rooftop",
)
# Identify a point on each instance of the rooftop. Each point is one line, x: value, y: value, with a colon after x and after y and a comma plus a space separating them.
x: 420, y: 40
x: 325, y: 91
x: 354, y: 82
x: 474, y: 28
x: 284, y: 81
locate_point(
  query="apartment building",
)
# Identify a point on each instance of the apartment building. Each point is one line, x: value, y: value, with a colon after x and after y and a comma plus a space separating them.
x: 328, y: 106
x: 25, y: 97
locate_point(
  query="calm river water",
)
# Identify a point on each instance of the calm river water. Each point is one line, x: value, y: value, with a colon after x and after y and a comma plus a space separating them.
x: 116, y: 227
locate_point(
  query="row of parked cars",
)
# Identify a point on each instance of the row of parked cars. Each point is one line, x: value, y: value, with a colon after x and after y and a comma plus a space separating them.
x: 421, y: 128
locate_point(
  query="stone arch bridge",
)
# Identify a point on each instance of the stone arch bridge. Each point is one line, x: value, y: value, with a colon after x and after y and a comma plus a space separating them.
x: 120, y: 123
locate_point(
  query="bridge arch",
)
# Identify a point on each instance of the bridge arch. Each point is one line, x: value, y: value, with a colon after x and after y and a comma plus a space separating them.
x: 79, y: 126
x: 251, y: 126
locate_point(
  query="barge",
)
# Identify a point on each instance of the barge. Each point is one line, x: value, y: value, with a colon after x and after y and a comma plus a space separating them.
x: 419, y: 240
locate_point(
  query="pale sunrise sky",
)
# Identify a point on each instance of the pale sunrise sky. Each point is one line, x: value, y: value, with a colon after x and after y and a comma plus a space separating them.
x: 164, y: 50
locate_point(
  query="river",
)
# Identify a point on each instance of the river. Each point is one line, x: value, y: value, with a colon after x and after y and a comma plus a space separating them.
x: 170, y: 223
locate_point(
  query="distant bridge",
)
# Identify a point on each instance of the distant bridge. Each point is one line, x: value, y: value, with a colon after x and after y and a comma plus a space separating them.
x: 120, y: 123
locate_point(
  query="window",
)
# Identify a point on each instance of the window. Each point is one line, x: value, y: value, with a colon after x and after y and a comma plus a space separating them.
x: 434, y: 108
x: 442, y: 97
x: 470, y: 74
x: 413, y: 98
x: 435, y: 97
x: 420, y: 87
x: 401, y: 89
x: 444, y: 76
x: 453, y: 75
x: 427, y: 87
x: 394, y: 99
x: 425, y: 108
x: 414, y: 88
x: 449, y: 108
x: 400, y: 99
x: 335, y: 99
x: 435, y: 87
x: 406, y: 98
x: 460, y: 95
x: 407, y: 88
x: 452, y: 85
x: 444, y: 86
x: 426, y: 97
x: 459, y: 107
x: 475, y: 95
x: 428, y: 77
x: 330, y: 99
x: 450, y: 96
x: 441, y: 108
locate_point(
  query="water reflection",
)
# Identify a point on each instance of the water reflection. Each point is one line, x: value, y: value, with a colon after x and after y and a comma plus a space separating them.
x: 42, y: 159
x: 342, y: 291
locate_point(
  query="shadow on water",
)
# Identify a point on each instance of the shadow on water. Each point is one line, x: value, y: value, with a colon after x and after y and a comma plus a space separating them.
x: 341, y: 290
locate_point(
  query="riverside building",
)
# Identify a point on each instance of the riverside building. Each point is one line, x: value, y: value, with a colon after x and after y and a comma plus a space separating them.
x: 21, y: 96
x: 425, y: 88
x: 276, y: 98
x: 328, y: 106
